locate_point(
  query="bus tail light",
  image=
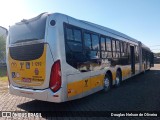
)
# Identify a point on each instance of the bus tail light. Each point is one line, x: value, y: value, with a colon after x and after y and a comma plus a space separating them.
x: 55, y: 77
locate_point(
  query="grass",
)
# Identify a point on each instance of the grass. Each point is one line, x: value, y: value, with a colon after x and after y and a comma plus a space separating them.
x: 3, y: 74
x: 3, y: 80
x: 3, y: 71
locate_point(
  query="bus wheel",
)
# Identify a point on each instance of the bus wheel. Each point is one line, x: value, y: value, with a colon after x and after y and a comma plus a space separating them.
x: 107, y: 83
x: 118, y: 79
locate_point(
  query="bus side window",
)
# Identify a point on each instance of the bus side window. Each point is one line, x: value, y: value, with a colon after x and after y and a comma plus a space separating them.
x: 108, y: 47
x: 113, y: 45
x: 69, y: 34
x: 122, y: 48
x: 77, y: 35
x: 103, y: 44
x: 74, y: 41
x: 108, y: 44
x: 103, y: 47
x: 125, y: 49
x: 125, y: 56
x: 117, y: 46
x: 117, y: 49
x: 73, y: 46
x: 114, y: 48
x: 95, y: 42
x: 137, y: 54
x: 87, y: 41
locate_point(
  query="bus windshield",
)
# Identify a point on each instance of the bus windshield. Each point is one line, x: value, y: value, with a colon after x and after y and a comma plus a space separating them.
x: 28, y: 30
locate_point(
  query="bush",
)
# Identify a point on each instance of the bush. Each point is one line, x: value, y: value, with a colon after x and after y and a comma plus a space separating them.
x: 2, y: 48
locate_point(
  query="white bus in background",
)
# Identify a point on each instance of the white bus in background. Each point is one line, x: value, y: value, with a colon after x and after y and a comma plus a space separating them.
x: 57, y: 58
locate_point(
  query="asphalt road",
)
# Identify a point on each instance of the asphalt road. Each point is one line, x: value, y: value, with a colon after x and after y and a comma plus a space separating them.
x: 140, y: 93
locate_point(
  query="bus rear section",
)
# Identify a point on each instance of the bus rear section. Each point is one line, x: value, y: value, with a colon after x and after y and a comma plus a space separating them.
x: 32, y: 70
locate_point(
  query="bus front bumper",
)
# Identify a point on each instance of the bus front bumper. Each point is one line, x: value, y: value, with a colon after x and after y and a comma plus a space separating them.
x: 44, y: 95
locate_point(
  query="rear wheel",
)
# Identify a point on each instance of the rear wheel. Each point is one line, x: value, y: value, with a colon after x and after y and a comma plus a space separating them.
x: 118, y: 79
x: 144, y: 69
x: 107, y: 83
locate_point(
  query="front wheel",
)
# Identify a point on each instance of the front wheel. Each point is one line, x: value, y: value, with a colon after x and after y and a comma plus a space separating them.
x: 107, y: 83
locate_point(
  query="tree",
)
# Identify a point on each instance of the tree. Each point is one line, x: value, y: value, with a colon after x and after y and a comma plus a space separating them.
x: 2, y: 47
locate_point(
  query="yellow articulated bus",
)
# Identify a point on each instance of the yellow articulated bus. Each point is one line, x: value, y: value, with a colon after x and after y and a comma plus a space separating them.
x: 57, y: 58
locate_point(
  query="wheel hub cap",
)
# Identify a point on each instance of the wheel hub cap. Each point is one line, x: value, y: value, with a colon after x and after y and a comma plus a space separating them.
x: 117, y: 80
x: 106, y: 82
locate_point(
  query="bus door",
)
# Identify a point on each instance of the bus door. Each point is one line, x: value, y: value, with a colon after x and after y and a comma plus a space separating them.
x: 132, y: 59
x: 146, y: 55
x: 151, y: 59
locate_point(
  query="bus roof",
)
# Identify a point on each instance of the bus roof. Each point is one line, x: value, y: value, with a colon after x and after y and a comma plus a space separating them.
x: 111, y: 31
x: 145, y: 47
x: 100, y: 27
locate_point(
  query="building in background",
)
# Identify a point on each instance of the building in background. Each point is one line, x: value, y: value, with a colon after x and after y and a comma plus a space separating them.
x: 3, y: 33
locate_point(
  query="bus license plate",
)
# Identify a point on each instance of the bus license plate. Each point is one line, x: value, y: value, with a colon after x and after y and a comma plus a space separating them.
x: 28, y: 80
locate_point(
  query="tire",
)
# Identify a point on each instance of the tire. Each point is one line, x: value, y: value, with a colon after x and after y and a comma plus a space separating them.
x: 118, y: 79
x: 144, y: 70
x: 107, y: 83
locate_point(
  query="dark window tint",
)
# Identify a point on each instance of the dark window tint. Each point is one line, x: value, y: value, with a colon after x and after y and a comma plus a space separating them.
x: 117, y: 46
x: 69, y: 33
x: 87, y: 41
x: 103, y: 43
x: 125, y: 46
x: 123, y: 54
x: 136, y: 49
x: 77, y: 35
x: 94, y: 54
x: 95, y: 42
x: 122, y: 47
x: 27, y: 52
x: 113, y: 45
x: 136, y: 54
x: 74, y: 46
x: 73, y: 34
x: 73, y: 39
x: 108, y: 44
